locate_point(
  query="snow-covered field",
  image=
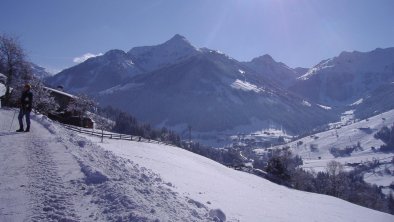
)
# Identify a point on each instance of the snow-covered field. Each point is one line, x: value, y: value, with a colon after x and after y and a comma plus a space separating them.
x: 361, y: 133
x: 51, y: 174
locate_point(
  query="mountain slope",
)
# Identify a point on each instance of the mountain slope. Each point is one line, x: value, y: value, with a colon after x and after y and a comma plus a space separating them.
x: 240, y: 196
x: 378, y: 101
x: 276, y: 72
x: 360, y: 135
x: 211, y: 92
x: 150, y: 58
x: 188, y: 84
x: 96, y: 73
x: 116, y: 66
x: 347, y: 77
x: 39, y: 71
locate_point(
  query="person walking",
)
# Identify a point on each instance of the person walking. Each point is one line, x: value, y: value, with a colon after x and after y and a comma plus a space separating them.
x: 26, y: 107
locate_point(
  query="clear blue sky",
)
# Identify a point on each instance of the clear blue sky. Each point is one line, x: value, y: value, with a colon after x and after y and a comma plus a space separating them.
x: 296, y: 32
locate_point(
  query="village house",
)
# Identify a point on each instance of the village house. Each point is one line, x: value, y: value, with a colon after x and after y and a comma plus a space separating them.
x: 62, y: 115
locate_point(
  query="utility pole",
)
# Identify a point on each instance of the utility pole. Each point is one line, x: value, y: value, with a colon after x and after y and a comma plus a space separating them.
x: 190, y: 134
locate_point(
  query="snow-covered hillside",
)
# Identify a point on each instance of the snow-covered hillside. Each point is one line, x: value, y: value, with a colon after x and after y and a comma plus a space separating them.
x: 39, y: 71
x: 150, y: 58
x: 50, y: 174
x: 53, y: 174
x: 315, y: 149
x: 348, y: 77
x: 214, y: 94
x: 277, y: 72
x: 97, y: 73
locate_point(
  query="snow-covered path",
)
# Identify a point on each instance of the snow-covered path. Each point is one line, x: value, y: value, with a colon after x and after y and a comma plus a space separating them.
x: 51, y: 174
x: 36, y: 175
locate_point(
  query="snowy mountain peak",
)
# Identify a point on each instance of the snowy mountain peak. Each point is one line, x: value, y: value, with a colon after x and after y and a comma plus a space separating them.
x: 150, y: 58
x: 347, y: 77
x: 378, y: 60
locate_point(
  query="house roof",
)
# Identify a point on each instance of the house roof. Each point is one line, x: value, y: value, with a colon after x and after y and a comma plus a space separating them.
x: 60, y: 92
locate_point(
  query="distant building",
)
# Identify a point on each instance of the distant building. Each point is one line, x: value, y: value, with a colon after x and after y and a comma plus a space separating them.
x: 63, y: 99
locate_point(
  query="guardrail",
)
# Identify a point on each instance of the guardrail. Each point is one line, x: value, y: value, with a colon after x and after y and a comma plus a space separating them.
x: 109, y: 135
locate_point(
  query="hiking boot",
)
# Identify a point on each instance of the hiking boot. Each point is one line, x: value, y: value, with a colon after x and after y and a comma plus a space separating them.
x: 19, y: 130
x: 27, y: 129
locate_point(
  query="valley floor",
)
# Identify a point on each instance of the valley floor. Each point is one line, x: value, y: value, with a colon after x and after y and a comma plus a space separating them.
x: 52, y: 174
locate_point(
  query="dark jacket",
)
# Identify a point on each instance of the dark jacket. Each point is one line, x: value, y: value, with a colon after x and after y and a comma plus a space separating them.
x: 27, y: 101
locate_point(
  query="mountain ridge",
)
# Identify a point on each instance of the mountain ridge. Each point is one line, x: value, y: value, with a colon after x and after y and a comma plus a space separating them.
x: 178, y: 73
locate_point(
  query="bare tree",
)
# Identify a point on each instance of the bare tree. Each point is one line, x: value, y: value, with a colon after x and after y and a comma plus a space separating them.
x: 335, y: 171
x: 13, y: 63
x: 43, y: 102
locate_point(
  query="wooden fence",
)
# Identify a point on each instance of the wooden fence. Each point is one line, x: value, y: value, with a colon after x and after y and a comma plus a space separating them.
x: 110, y: 135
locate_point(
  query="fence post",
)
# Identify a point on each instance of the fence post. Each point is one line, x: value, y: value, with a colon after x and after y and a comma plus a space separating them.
x: 131, y: 137
x: 102, y: 135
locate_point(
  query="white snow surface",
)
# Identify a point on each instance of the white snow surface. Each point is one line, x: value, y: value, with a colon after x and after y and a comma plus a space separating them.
x: 324, y: 107
x: 60, y: 92
x: 52, y: 174
x: 2, y: 89
x: 245, y: 86
x: 361, y: 132
x: 312, y: 71
x: 306, y: 103
x: 358, y: 102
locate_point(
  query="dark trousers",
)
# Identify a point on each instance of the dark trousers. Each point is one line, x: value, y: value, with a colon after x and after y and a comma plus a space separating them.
x: 20, y: 117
